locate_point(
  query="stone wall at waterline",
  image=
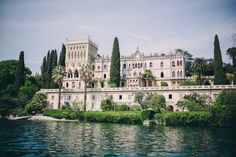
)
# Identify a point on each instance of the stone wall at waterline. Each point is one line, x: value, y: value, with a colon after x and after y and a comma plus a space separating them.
x: 127, y: 94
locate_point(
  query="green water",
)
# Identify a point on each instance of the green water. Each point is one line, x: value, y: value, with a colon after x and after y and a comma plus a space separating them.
x: 32, y: 138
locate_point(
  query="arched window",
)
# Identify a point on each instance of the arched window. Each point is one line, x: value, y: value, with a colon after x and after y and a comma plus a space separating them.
x: 150, y: 64
x: 138, y: 65
x: 134, y: 74
x: 178, y: 74
x: 180, y: 63
x: 177, y: 63
x: 181, y: 73
x: 162, y: 74
x: 71, y: 55
x: 173, y: 64
x: 105, y: 76
x: 173, y: 73
x: 84, y: 54
x: 78, y: 54
x: 133, y: 65
x: 124, y: 66
x: 76, y: 74
x: 141, y: 65
x: 67, y: 84
x: 105, y: 66
x: 73, y: 84
x: 161, y: 64
x: 69, y: 74
x: 75, y: 55
x: 93, y: 67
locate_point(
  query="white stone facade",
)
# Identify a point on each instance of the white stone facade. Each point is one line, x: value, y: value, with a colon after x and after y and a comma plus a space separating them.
x: 127, y: 94
x: 167, y: 68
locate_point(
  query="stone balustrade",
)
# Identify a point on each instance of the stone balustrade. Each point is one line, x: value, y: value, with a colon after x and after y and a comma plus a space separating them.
x: 205, y: 87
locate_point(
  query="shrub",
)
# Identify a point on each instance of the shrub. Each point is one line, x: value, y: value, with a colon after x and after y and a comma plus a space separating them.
x: 188, y: 83
x: 135, y: 108
x: 59, y: 114
x: 112, y: 117
x: 37, y: 104
x: 107, y: 105
x: 224, y: 109
x: 188, y: 118
x: 147, y: 114
x: 158, y: 102
x: 121, y: 107
x: 164, y: 84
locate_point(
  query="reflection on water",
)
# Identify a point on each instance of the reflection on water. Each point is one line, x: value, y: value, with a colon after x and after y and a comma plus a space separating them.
x: 32, y: 138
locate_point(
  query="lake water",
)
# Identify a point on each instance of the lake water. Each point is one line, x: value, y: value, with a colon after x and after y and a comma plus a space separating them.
x: 34, y: 138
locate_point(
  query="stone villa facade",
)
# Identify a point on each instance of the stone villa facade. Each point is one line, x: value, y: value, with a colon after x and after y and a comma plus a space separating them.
x: 169, y: 68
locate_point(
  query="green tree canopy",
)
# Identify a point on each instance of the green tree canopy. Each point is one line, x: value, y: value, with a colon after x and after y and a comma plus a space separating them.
x: 232, y: 54
x: 58, y: 74
x: 220, y: 76
x: 199, y: 66
x: 115, y: 64
x: 20, y: 71
x: 62, y: 57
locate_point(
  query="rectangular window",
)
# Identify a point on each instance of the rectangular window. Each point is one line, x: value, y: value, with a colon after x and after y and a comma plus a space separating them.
x: 52, y: 97
x: 170, y: 96
x: 93, y: 97
x: 120, y: 97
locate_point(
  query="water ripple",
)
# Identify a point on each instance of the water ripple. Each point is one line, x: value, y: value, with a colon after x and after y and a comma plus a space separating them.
x: 31, y: 138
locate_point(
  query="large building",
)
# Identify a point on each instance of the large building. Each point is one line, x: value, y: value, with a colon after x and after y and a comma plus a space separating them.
x: 167, y: 68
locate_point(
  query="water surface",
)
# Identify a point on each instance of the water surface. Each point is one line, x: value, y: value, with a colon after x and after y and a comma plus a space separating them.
x: 35, y: 138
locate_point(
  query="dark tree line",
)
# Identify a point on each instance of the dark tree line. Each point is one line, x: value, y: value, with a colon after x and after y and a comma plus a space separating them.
x: 49, y: 63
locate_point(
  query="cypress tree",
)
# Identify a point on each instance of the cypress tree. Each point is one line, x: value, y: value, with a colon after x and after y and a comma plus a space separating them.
x: 20, y: 74
x: 62, y: 56
x: 44, y: 71
x: 54, y: 64
x: 220, y: 77
x: 115, y: 64
x: 49, y: 70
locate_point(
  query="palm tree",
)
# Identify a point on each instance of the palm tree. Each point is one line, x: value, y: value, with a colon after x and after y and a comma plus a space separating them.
x: 199, y: 65
x: 232, y: 54
x: 147, y: 76
x: 58, y: 74
x: 86, y: 74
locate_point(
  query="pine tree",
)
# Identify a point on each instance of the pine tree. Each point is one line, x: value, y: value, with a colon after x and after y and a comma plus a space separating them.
x: 44, y: 71
x: 62, y: 56
x: 220, y: 77
x: 115, y: 64
x: 20, y: 73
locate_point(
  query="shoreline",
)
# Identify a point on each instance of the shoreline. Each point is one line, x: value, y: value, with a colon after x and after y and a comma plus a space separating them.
x: 40, y: 118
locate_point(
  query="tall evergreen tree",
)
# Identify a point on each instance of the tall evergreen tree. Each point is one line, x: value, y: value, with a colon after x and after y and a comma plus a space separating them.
x: 115, y: 64
x: 232, y: 54
x: 54, y: 64
x: 62, y: 57
x: 220, y: 76
x: 44, y: 71
x: 20, y: 74
x: 49, y: 70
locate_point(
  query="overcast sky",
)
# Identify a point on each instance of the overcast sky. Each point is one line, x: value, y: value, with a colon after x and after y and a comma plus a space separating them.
x: 156, y: 26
